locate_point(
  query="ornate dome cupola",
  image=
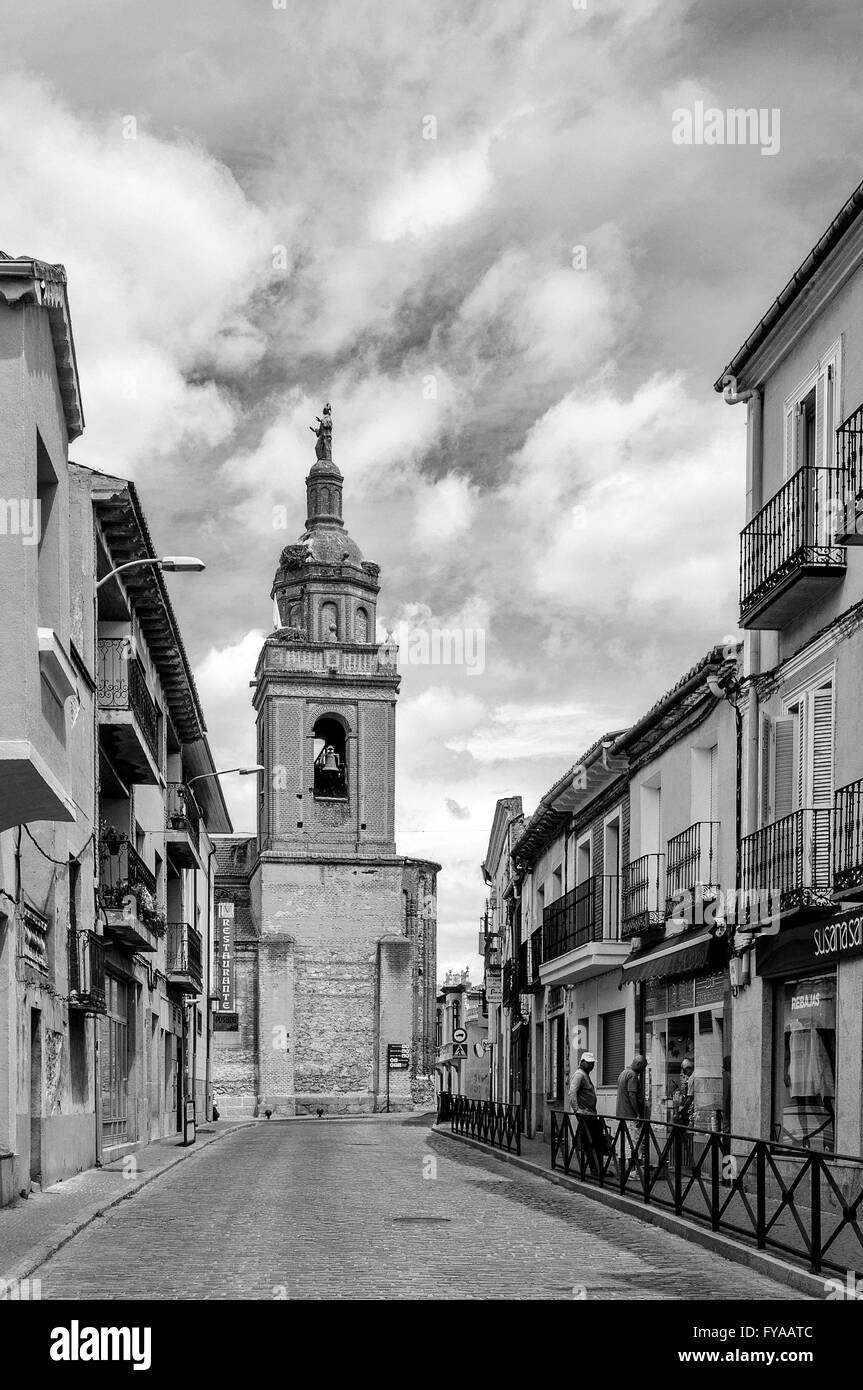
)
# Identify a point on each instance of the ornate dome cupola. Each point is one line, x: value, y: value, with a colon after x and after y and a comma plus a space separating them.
x: 324, y: 590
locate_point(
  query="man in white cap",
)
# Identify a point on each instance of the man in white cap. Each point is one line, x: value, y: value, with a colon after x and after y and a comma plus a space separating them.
x: 582, y: 1101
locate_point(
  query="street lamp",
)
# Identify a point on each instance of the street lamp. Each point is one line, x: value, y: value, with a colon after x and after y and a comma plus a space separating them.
x: 243, y: 771
x: 173, y: 563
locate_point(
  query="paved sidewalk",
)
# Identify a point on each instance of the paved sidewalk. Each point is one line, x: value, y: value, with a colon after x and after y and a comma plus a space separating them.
x: 32, y: 1229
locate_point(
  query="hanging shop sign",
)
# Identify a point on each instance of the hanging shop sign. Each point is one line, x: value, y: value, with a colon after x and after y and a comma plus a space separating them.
x: 225, y: 956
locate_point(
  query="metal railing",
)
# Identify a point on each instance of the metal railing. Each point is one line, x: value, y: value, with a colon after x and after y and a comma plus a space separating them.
x: 34, y: 936
x: 181, y: 809
x: 536, y: 957
x: 849, y: 451
x: 492, y: 1121
x: 588, y: 912
x: 692, y: 863
x: 122, y: 871
x: 184, y: 953
x: 794, y: 529
x: 86, y: 971
x: 122, y: 686
x: 806, y: 1204
x: 643, y: 894
x: 509, y: 991
x: 848, y: 836
x: 788, y: 864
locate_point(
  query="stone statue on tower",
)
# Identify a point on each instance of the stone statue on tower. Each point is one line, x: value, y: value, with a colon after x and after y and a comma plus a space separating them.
x: 324, y: 434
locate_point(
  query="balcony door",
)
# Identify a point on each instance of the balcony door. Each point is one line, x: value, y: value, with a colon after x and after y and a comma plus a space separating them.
x: 114, y: 1055
x: 811, y: 417
x: 797, y: 777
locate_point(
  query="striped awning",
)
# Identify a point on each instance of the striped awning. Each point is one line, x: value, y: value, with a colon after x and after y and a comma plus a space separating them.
x: 683, y: 957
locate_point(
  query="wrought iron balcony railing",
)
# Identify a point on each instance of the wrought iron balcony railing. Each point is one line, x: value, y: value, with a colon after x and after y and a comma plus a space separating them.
x: 509, y: 992
x: 849, y: 456
x: 535, y: 957
x: 588, y: 912
x: 122, y: 872
x: 181, y: 809
x: 792, y: 536
x: 86, y: 971
x: 692, y: 867
x: 787, y: 865
x: 184, y: 955
x: 643, y: 895
x: 34, y: 937
x: 848, y: 837
x: 122, y: 686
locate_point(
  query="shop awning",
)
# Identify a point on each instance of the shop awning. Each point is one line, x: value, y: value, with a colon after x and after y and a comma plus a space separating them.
x: 678, y: 958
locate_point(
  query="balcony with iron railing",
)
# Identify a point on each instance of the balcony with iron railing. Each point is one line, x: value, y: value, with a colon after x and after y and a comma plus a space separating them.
x: 849, y: 457
x: 588, y: 912
x: 127, y: 894
x: 788, y: 551
x: 509, y: 995
x: 786, y: 869
x: 848, y: 840
x: 128, y: 717
x: 86, y: 971
x: 642, y: 895
x: 692, y: 872
x: 184, y: 957
x: 183, y: 825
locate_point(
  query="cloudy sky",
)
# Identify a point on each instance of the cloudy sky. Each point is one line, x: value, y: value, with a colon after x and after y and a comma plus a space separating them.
x: 468, y: 227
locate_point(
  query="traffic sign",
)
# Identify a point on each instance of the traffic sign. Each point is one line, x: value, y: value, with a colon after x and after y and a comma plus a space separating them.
x: 459, y: 1035
x: 459, y: 1050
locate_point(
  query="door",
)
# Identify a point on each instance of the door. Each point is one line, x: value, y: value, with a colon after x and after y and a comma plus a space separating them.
x: 35, y: 1095
x: 114, y: 1052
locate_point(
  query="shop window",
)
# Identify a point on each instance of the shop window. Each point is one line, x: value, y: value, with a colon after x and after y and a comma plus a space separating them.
x: 804, y: 1063
x: 613, y: 1046
x: 330, y: 752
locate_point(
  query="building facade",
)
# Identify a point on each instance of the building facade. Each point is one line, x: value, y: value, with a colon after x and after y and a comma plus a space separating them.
x: 345, y: 928
x: 105, y: 884
x: 463, y: 1056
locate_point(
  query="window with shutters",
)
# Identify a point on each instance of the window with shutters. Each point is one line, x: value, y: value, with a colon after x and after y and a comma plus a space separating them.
x: 613, y: 1033
x: 812, y: 412
x: 797, y: 755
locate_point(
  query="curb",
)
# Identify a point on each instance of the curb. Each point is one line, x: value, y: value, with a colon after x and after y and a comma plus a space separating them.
x: 38, y: 1254
x: 771, y: 1266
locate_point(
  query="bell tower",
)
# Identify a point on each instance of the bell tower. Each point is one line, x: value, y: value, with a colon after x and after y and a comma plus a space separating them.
x: 337, y: 966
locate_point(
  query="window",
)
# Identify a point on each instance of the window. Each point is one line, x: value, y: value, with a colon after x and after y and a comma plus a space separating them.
x: 456, y: 1014
x: 582, y: 860
x: 812, y: 414
x: 804, y: 1062
x: 329, y: 622
x: 330, y: 754
x: 613, y: 1046
x: 651, y: 820
x: 48, y: 523
x: 361, y: 626
x: 797, y: 755
x: 555, y: 1057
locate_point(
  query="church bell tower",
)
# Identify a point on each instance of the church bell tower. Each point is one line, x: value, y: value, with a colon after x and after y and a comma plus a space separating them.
x: 336, y: 975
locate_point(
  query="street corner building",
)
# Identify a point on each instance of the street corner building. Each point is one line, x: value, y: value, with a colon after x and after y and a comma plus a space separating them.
x: 327, y: 937
x: 105, y: 866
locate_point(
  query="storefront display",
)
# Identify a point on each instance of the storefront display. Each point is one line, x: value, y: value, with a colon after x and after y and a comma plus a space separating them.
x: 684, y: 1018
x: 804, y: 1062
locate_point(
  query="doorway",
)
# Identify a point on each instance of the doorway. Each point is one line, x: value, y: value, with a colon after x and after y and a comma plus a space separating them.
x: 35, y: 1095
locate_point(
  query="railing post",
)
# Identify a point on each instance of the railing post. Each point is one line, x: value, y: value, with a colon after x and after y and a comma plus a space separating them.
x: 815, y: 1204
x: 677, y: 1149
x: 644, y: 1136
x: 715, y: 1175
x: 760, y: 1194
x: 622, y: 1135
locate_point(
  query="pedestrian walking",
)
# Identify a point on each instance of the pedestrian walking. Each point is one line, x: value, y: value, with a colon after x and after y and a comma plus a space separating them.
x: 630, y: 1090
x: 590, y: 1130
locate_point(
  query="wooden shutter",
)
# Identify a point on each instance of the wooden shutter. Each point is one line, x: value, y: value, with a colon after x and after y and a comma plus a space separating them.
x: 783, y: 760
x: 714, y: 784
x: 766, y: 784
x: 822, y: 747
x: 790, y: 441
x: 613, y: 1046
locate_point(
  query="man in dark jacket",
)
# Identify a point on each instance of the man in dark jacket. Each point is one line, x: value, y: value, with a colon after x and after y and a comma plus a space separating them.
x: 630, y: 1090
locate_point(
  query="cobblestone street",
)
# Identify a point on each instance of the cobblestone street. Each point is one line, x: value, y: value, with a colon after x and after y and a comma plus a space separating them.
x: 375, y: 1209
